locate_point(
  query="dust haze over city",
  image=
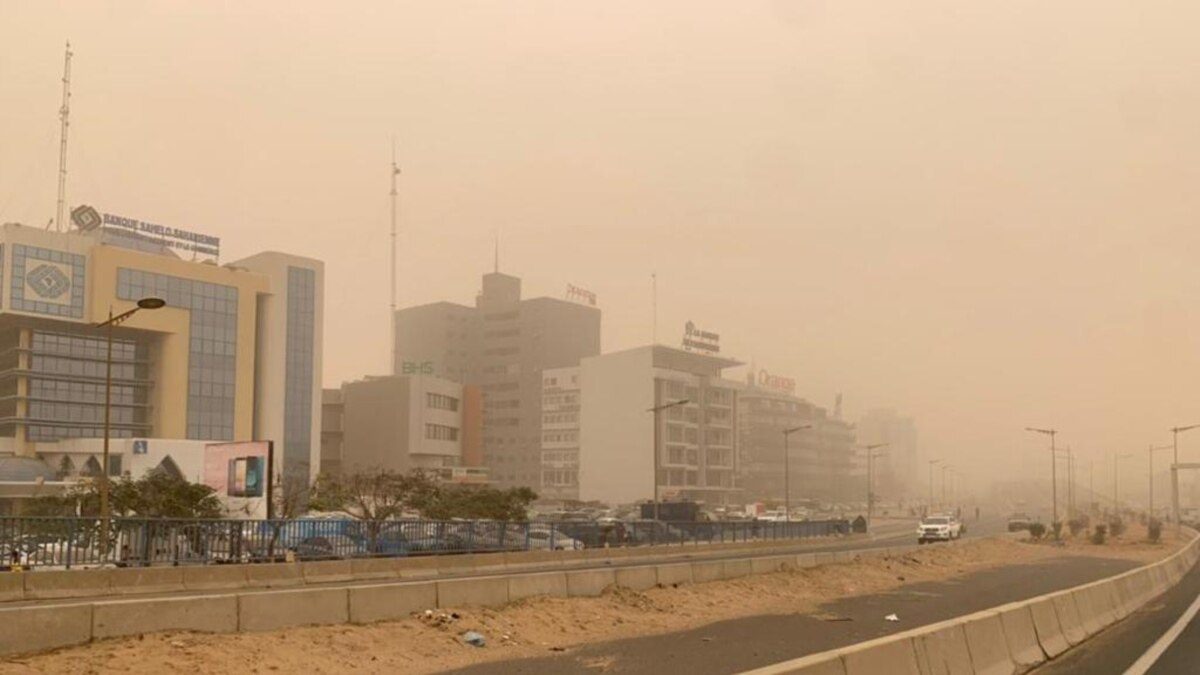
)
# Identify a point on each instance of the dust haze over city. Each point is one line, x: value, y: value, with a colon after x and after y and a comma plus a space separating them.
x: 981, y: 216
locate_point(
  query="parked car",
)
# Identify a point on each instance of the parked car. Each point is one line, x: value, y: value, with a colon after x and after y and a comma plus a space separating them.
x: 545, y: 538
x: 328, y: 547
x: 938, y: 528
x: 1018, y: 522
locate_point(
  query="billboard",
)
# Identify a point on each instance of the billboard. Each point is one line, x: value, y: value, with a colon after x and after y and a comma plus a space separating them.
x: 239, y: 474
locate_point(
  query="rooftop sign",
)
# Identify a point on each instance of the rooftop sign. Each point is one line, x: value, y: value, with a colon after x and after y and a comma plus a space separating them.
x: 768, y: 381
x: 171, y: 237
x: 696, y: 340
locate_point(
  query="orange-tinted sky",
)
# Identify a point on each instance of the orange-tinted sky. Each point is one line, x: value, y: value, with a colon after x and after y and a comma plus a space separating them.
x: 982, y: 213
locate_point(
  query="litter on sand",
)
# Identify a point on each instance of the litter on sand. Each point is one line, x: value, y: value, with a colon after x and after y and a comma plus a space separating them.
x: 474, y: 639
x: 891, y: 617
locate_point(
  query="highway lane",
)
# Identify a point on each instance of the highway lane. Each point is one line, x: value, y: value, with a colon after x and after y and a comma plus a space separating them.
x: 1116, y: 650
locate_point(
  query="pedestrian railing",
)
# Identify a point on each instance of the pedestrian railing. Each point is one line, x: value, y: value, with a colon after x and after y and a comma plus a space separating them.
x: 77, y: 542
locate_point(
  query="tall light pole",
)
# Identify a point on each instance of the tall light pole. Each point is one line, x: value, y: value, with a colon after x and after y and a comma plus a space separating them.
x: 105, y: 513
x: 1070, y: 476
x: 871, y: 455
x: 1116, y: 477
x: 945, y: 468
x: 1053, y: 472
x: 1175, y: 431
x: 657, y: 432
x: 787, y: 487
x: 1150, y: 459
x: 932, y: 462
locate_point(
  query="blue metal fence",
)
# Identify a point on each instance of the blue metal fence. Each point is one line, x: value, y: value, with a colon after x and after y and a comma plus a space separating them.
x: 75, y: 542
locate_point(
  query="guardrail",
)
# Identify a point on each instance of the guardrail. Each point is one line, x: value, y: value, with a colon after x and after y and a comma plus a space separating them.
x: 75, y: 542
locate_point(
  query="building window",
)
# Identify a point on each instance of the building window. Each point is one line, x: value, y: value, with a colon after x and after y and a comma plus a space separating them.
x: 440, y: 432
x: 441, y: 401
x: 212, y: 350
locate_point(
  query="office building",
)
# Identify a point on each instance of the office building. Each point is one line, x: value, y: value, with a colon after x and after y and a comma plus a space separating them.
x: 502, y: 344
x: 400, y: 423
x: 560, y: 434
x: 697, y: 457
x: 235, y: 355
x: 821, y: 458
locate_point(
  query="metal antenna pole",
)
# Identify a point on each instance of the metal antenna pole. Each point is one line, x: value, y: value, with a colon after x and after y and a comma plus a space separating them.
x: 654, y: 308
x: 392, y: 313
x: 64, y: 113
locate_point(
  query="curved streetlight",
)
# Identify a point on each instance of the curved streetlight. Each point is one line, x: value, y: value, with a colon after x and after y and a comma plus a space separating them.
x: 787, y: 488
x: 148, y: 303
x: 1175, y: 431
x: 1053, y: 471
x: 656, y: 410
x: 871, y: 455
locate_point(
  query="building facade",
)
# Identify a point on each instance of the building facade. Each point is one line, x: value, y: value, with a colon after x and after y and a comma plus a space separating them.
x: 697, y: 441
x: 560, y: 434
x: 404, y: 422
x: 502, y: 344
x: 821, y: 458
x: 234, y: 355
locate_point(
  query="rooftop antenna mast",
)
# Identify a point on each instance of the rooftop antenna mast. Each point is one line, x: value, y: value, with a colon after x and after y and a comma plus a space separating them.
x: 654, y: 308
x: 64, y: 113
x: 392, y: 313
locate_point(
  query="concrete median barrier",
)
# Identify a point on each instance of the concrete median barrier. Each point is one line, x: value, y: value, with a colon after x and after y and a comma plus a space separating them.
x: 891, y: 656
x: 543, y: 583
x: 586, y: 583
x: 417, y: 567
x: 482, y: 592
x: 672, y: 575
x: 390, y: 602
x: 1021, y: 637
x: 736, y: 569
x: 57, y: 584
x: 989, y: 649
x: 327, y: 571
x: 943, y: 650
x: 636, y: 578
x: 771, y: 564
x: 1049, y: 628
x: 366, y: 569
x: 137, y: 580
x: 202, y: 614
x: 36, y: 629
x: 708, y: 571
x: 1068, y: 618
x: 275, y: 575
x: 289, y: 608
x: 12, y: 586
x: 1089, y: 613
x: 214, y: 577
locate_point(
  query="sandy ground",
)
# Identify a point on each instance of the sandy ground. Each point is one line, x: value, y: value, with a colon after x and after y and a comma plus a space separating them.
x: 536, y: 626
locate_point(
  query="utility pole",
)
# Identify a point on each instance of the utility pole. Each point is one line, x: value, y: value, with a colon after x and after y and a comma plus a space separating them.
x: 392, y: 306
x: 787, y: 488
x: 64, y: 114
x: 1053, y: 471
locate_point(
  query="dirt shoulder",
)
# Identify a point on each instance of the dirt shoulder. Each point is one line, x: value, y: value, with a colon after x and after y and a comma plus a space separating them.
x: 540, y: 626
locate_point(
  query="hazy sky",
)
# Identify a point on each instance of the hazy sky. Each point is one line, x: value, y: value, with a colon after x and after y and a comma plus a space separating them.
x: 981, y: 213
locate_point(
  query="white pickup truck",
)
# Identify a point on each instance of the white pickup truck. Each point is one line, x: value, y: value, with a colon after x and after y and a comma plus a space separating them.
x: 938, y: 528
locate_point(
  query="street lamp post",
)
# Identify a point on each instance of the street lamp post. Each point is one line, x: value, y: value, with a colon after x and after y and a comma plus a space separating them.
x: 931, y: 463
x: 787, y: 474
x: 871, y: 455
x: 1175, y: 431
x: 1150, y: 459
x: 1116, y: 482
x: 105, y: 513
x: 657, y: 432
x: 1053, y: 472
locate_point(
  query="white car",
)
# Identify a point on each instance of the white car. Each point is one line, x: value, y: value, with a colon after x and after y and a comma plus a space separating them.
x: 938, y: 528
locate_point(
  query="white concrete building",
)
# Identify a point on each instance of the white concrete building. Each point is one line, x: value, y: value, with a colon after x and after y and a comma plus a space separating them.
x: 698, y: 441
x: 560, y: 434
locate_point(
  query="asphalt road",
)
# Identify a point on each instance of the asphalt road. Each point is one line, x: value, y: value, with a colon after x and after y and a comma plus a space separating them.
x: 1117, y: 648
x: 743, y: 644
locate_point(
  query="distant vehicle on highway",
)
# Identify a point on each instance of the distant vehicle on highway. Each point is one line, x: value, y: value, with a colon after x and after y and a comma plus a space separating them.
x: 1018, y: 522
x: 939, y: 528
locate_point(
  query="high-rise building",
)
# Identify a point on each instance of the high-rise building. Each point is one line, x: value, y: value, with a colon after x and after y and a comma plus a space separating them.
x: 234, y: 355
x: 502, y: 344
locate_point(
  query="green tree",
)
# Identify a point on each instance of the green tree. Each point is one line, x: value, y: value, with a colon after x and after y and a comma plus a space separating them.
x: 155, y: 495
x: 372, y: 497
x: 476, y: 503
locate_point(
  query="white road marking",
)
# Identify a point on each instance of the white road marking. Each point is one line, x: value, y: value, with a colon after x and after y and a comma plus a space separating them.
x: 1144, y: 663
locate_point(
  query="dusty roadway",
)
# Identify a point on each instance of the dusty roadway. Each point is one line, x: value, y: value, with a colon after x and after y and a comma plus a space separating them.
x: 742, y: 644
x: 1117, y: 648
